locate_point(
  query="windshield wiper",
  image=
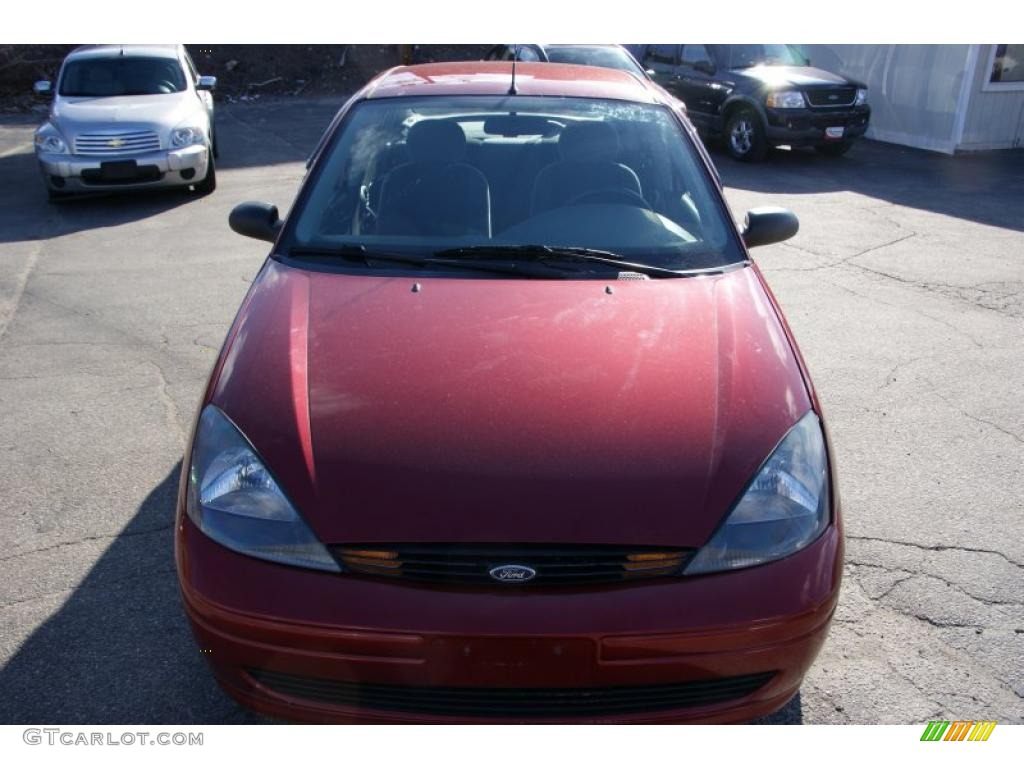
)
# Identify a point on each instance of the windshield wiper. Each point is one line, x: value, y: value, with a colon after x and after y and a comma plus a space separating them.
x: 555, y: 253
x: 367, y: 256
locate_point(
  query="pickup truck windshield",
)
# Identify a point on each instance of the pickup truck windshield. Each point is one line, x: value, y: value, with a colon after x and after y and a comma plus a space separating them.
x: 448, y: 173
x: 121, y: 76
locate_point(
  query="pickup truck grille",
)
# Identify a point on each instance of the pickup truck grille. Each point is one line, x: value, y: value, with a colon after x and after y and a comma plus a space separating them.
x: 554, y: 565
x: 832, y: 97
x: 116, y: 143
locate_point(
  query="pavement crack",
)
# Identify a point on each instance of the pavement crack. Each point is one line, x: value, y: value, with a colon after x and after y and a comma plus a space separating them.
x: 936, y: 547
x: 86, y: 539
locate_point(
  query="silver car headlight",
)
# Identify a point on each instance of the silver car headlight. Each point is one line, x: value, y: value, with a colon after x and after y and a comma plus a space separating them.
x: 785, y: 507
x: 234, y: 500
x: 862, y: 97
x: 185, y: 137
x: 49, y: 140
x: 785, y: 100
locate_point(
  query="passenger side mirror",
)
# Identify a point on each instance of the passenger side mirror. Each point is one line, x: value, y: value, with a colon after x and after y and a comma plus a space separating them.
x: 258, y: 220
x: 767, y: 225
x: 42, y: 88
x: 704, y: 66
x: 206, y: 83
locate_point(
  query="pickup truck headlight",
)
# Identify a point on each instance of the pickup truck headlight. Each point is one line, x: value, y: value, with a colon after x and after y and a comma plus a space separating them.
x: 785, y: 507
x: 785, y: 100
x: 49, y: 140
x: 184, y: 137
x: 234, y: 500
x: 862, y: 97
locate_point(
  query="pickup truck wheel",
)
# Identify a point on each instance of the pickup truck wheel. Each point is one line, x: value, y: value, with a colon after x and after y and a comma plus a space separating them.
x: 744, y: 136
x: 834, y: 150
x: 209, y: 183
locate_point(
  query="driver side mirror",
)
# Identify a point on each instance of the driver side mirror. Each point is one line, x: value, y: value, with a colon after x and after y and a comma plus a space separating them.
x: 42, y: 88
x: 206, y: 83
x: 258, y: 220
x: 767, y: 225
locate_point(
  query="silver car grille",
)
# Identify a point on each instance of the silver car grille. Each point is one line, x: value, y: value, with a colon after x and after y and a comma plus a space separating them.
x: 119, y: 143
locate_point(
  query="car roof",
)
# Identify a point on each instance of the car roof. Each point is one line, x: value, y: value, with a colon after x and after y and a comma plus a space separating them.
x: 126, y: 49
x: 493, y: 78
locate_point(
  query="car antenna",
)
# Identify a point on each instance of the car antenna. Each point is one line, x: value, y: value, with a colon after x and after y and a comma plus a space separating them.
x: 515, y: 55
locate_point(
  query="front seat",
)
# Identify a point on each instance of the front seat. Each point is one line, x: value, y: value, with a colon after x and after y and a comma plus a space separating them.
x: 588, y: 163
x: 437, y: 193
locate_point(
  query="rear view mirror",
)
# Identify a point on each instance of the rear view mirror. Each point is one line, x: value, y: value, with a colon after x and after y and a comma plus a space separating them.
x: 206, y: 83
x: 767, y: 225
x: 258, y: 220
x: 42, y: 88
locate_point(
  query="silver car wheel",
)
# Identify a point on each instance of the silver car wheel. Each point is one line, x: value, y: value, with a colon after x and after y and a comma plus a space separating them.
x: 741, y: 137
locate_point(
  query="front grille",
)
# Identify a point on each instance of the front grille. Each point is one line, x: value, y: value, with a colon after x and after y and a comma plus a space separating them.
x: 116, y: 143
x: 529, y: 703
x: 550, y: 565
x: 832, y: 97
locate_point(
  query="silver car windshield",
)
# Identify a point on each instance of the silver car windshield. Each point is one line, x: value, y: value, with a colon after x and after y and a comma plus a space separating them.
x: 430, y: 174
x: 121, y: 76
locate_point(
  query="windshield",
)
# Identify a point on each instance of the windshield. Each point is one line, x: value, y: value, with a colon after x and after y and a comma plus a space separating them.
x: 596, y: 56
x: 426, y: 176
x: 121, y: 76
x: 742, y: 56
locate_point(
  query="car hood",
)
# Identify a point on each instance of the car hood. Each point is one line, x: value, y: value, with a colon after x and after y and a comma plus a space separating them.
x: 161, y: 112
x: 526, y: 411
x: 775, y: 76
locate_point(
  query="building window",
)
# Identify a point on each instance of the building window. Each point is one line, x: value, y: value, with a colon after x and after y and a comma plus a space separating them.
x: 1006, y: 68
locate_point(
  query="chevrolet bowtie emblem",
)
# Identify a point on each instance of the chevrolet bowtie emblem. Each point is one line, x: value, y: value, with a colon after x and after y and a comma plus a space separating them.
x: 115, y: 143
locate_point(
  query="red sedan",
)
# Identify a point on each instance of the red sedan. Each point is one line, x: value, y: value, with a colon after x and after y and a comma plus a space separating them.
x: 509, y: 427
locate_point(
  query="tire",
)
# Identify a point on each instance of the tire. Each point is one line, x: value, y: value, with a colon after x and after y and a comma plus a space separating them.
x: 216, y: 147
x: 744, y: 136
x: 838, y: 149
x: 209, y: 182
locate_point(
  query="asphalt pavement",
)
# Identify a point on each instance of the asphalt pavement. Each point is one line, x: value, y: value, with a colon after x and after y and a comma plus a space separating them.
x: 904, y: 287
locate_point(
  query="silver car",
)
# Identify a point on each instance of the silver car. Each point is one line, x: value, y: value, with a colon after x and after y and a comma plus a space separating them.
x: 127, y: 117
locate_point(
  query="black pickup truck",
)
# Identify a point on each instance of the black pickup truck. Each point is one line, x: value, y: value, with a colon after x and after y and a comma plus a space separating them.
x: 761, y: 96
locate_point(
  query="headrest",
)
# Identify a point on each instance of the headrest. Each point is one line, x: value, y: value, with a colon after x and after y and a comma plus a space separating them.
x: 589, y: 141
x: 438, y: 141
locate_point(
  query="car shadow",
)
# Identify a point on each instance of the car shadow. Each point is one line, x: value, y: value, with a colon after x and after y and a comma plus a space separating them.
x: 791, y: 714
x: 984, y: 187
x: 119, y: 650
x: 26, y: 215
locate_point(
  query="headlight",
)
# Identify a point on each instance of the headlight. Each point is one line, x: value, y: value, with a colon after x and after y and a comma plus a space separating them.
x: 234, y: 500
x: 49, y: 140
x: 862, y: 97
x: 784, y: 509
x: 183, y: 137
x: 785, y: 100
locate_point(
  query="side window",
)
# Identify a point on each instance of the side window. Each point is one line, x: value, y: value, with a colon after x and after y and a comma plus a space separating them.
x: 696, y: 56
x: 528, y: 53
x: 664, y: 55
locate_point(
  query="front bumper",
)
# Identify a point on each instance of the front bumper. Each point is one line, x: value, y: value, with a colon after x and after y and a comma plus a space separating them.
x: 161, y: 168
x: 806, y: 127
x: 258, y: 622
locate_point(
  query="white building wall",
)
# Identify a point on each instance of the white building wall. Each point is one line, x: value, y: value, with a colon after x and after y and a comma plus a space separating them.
x: 915, y: 91
x: 994, y: 118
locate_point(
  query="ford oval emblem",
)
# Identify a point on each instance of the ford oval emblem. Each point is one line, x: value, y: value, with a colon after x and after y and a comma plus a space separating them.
x: 512, y: 573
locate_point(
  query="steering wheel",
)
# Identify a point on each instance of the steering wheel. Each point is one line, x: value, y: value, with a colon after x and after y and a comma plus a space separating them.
x: 165, y: 86
x: 612, y: 194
